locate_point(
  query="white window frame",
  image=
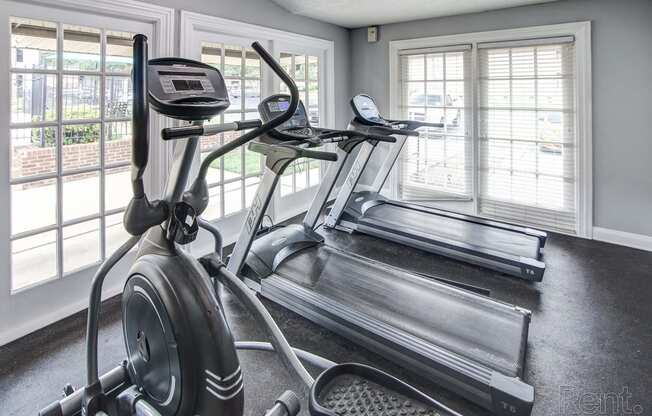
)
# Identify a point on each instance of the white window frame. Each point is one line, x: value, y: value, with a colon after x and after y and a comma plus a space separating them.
x: 193, y: 24
x: 24, y: 311
x: 583, y: 98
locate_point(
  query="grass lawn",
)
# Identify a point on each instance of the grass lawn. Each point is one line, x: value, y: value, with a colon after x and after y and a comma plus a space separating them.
x: 233, y: 162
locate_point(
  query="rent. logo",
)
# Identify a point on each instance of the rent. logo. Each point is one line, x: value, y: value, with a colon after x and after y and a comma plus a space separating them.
x: 586, y: 403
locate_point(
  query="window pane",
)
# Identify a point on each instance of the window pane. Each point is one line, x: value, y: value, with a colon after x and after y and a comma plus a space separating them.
x: 313, y: 68
x: 81, y: 245
x: 33, y: 152
x: 413, y: 68
x: 252, y: 64
x: 301, y: 85
x: 81, y: 195
x: 251, y: 188
x: 300, y: 67
x: 213, y: 210
x: 33, y: 44
x: 301, y: 175
x: 33, y: 98
x: 523, y: 95
x: 117, y: 191
x: 455, y: 65
x: 252, y: 115
x: 81, y: 146
x: 253, y: 162
x: 211, y: 54
x: 117, y: 142
x: 214, y: 174
x: 435, y: 66
x: 522, y: 62
x: 118, y: 96
x: 314, y: 172
x: 33, y: 259
x: 414, y: 94
x: 119, y: 52
x: 286, y: 63
x: 233, y: 61
x: 81, y: 97
x: 116, y: 235
x: 233, y: 164
x: 234, y: 88
x: 313, y: 102
x: 252, y: 94
x: 435, y: 94
x: 455, y: 93
x: 232, y: 197
x: 287, y: 181
x: 81, y: 48
x: 33, y: 205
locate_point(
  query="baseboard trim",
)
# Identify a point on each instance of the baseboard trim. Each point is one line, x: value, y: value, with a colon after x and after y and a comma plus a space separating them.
x: 623, y: 238
x: 42, y: 321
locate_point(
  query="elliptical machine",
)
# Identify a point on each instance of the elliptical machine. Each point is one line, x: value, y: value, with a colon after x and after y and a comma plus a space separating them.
x: 181, y: 355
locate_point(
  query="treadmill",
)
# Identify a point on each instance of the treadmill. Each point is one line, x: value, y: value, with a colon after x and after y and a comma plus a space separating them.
x: 508, y: 248
x: 469, y: 343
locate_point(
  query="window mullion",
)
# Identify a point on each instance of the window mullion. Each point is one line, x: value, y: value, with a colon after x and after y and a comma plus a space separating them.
x: 243, y: 106
x: 221, y: 140
x: 59, y: 151
x: 536, y: 124
x: 101, y: 145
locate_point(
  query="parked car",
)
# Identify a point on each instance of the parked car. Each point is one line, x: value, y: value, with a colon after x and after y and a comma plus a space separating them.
x: 550, y: 128
x: 451, y: 117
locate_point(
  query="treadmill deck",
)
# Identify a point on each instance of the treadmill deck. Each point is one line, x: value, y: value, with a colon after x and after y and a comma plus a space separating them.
x: 468, y: 325
x: 410, y: 221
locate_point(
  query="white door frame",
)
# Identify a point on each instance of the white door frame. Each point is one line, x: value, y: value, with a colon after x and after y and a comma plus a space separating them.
x: 27, y: 310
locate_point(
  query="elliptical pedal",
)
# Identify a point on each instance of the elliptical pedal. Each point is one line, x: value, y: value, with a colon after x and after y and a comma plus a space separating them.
x: 357, y: 390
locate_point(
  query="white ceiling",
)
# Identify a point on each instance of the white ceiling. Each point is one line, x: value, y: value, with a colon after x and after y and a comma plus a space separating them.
x: 359, y: 13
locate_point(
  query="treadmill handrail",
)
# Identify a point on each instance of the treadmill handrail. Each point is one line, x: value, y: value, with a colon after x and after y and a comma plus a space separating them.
x: 414, y: 124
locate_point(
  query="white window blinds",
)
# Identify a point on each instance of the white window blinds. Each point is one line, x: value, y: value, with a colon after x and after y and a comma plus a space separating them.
x: 526, y: 132
x: 436, y: 87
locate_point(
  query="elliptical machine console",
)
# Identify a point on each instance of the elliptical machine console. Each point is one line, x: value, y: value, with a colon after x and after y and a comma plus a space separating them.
x: 181, y: 356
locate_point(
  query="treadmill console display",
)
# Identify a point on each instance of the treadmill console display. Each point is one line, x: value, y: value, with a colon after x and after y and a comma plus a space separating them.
x: 298, y: 120
x: 365, y: 109
x: 298, y: 125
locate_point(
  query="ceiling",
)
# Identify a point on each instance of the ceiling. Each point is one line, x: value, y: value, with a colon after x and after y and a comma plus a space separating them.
x: 359, y: 13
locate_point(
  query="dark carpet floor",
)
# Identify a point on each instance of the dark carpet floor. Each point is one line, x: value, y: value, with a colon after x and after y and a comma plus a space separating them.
x: 589, y: 350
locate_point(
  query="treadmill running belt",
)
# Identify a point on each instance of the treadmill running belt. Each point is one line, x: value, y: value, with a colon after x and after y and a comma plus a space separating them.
x: 467, y: 324
x: 409, y: 221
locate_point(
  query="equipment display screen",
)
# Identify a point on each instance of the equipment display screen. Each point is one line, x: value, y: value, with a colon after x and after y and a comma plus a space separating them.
x: 367, y: 108
x: 278, y: 106
x: 187, y: 85
x: 298, y: 120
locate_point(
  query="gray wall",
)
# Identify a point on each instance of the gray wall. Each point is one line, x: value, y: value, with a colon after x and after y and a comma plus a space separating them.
x: 622, y: 90
x: 266, y: 13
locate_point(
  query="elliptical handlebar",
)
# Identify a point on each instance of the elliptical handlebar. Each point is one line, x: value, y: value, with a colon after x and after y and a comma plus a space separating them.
x: 198, y: 191
x: 173, y: 133
x: 140, y: 123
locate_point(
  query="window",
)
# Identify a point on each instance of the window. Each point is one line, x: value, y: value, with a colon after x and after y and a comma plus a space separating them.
x: 304, y: 69
x: 436, y: 88
x: 519, y: 148
x: 527, y: 133
x: 233, y: 179
x: 70, y: 146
